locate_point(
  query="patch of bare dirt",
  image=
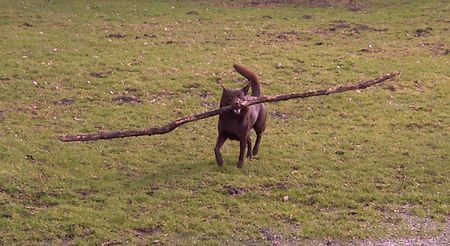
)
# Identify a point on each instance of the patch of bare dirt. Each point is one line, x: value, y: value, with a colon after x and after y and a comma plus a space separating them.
x: 260, y: 3
x: 65, y: 242
x: 205, y: 94
x: 116, y: 35
x: 369, y: 50
x: 424, y: 232
x: 2, y: 116
x: 156, y: 96
x: 418, y: 226
x: 348, y: 4
x: 112, y: 242
x: 234, y: 190
x: 147, y: 231
x: 279, y: 115
x: 4, y: 79
x: 274, y: 186
x: 147, y: 35
x: 347, y: 28
x: 272, y: 237
x: 423, y: 32
x: 436, y: 48
x: 86, y: 193
x: 127, y: 99
x: 192, y: 13
x: 64, y: 101
x: 99, y: 74
x: 281, y: 37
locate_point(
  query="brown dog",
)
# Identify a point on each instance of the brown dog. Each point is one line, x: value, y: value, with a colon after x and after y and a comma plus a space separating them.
x: 236, y: 124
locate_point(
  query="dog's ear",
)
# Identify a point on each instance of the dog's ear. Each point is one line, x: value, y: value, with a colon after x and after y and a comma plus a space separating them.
x: 246, y: 88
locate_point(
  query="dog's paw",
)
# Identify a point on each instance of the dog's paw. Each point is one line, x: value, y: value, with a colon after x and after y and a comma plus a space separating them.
x: 240, y: 164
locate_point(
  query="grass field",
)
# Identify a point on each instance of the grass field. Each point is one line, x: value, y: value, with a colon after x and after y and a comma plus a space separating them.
x: 367, y: 165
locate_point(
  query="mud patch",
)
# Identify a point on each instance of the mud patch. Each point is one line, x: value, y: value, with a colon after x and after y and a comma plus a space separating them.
x: 423, y: 32
x: 116, y: 35
x: 420, y: 125
x: 146, y: 35
x: 111, y: 242
x: 279, y: 115
x: 192, y: 13
x: 29, y: 157
x: 233, y: 191
x: 205, y: 94
x: 4, y: 79
x: 147, y: 231
x: 99, y: 74
x: 280, y: 37
x: 127, y: 99
x: 436, y: 48
x: 266, y: 2
x: 65, y: 242
x: 64, y: 102
x: 86, y: 193
x: 350, y: 5
x: 269, y: 235
x: 369, y: 50
x: 156, y: 96
x: 2, y: 116
x: 150, y: 35
x: 347, y: 28
x: 274, y: 186
x: 287, y: 35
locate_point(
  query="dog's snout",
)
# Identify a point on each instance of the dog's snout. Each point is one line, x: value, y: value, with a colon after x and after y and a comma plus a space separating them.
x: 236, y: 105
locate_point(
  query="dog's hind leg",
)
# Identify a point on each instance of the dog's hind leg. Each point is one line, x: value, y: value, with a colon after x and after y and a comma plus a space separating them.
x: 220, y: 141
x: 258, y: 140
x: 259, y: 127
x: 249, y: 148
x: 242, y: 144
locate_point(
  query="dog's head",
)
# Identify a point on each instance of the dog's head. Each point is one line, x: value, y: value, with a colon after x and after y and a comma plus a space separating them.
x: 233, y: 97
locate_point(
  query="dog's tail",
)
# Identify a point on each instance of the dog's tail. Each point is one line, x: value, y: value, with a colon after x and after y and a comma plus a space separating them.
x: 251, y: 76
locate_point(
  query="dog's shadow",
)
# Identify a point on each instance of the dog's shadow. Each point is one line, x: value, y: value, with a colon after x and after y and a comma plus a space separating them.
x: 192, y: 174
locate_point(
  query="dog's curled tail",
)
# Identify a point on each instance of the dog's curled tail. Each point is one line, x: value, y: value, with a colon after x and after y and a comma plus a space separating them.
x: 254, y: 82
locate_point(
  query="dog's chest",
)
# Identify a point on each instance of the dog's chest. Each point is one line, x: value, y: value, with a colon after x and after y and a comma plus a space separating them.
x: 234, y: 127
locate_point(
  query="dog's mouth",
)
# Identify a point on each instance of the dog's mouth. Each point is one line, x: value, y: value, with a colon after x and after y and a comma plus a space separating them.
x: 237, y: 111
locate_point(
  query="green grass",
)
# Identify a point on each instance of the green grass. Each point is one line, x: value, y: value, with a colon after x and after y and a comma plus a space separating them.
x: 351, y: 164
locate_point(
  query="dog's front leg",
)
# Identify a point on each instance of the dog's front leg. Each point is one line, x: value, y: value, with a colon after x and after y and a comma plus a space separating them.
x: 220, y: 141
x: 243, y: 144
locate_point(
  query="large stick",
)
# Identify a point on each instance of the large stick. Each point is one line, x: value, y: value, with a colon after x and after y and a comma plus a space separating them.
x: 172, y: 125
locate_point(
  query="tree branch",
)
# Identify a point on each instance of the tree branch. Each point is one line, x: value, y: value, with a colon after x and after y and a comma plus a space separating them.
x: 175, y: 124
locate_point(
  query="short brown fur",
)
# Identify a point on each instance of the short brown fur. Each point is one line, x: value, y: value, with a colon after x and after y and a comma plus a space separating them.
x: 236, y: 124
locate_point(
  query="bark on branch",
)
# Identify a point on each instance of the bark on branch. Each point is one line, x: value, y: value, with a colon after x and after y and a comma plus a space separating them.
x: 173, y: 125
